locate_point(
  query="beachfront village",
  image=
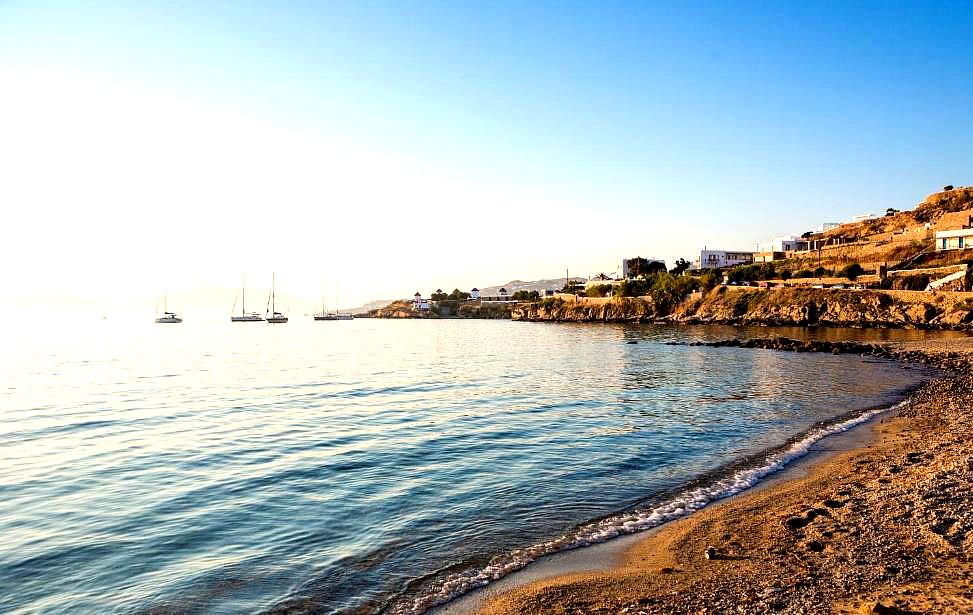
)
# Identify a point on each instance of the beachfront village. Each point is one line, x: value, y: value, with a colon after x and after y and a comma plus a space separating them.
x: 927, y: 249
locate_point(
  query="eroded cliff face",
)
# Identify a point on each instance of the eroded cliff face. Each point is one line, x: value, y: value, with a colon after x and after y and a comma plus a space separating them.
x: 810, y: 307
x: 616, y: 310
x: 783, y: 307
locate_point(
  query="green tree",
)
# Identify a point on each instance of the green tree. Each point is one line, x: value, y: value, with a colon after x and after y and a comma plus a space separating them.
x: 681, y: 266
x: 526, y: 295
x: 599, y: 290
x: 639, y: 267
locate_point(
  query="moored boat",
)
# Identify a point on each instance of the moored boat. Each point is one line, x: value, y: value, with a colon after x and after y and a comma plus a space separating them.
x: 244, y: 317
x: 167, y: 316
x: 273, y: 316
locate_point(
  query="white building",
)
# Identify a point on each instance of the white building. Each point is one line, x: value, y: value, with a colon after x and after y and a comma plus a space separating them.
x: 784, y: 243
x: 827, y: 226
x: 863, y: 217
x: 957, y: 239
x: 475, y: 294
x: 716, y: 259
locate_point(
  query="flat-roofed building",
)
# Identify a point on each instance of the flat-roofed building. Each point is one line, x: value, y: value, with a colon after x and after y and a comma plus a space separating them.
x: 717, y: 259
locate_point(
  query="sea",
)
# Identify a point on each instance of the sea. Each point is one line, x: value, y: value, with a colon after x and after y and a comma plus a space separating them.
x: 378, y: 466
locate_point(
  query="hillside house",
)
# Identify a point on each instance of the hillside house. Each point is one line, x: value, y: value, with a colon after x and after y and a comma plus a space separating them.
x: 502, y: 296
x: 717, y: 259
x: 955, y: 231
x: 475, y: 294
x: 777, y: 248
x: 957, y: 239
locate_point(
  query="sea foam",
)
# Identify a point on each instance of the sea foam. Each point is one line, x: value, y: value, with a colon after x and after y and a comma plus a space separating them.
x: 638, y: 520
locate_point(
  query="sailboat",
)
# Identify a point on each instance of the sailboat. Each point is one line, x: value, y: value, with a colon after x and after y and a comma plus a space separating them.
x: 273, y: 316
x: 323, y: 314
x: 335, y: 315
x: 167, y: 316
x: 244, y: 317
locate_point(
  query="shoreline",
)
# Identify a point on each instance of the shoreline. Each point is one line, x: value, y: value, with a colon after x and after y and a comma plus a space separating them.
x: 636, y: 573
x: 603, y: 557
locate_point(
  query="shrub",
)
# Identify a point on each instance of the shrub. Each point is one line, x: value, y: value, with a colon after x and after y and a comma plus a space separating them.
x: 804, y: 273
x: 526, y: 295
x: 820, y: 272
x: 785, y: 275
x: 710, y: 279
x: 851, y: 271
x: 599, y: 290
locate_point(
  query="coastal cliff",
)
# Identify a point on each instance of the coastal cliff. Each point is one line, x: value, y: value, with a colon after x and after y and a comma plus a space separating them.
x: 782, y: 307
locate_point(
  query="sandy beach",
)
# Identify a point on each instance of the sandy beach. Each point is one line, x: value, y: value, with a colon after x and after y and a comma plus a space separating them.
x: 882, y: 528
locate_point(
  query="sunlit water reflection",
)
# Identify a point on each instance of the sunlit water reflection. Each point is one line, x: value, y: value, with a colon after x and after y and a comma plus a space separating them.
x: 218, y: 468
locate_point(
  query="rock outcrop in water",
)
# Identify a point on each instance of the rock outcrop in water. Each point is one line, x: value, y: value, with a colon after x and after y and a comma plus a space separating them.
x: 954, y: 361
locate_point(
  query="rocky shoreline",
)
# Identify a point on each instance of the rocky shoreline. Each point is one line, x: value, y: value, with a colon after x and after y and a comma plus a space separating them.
x: 887, y: 528
x: 949, y: 360
x: 802, y: 307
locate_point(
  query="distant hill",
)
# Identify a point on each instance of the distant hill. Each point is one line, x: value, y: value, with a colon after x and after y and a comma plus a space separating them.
x: 371, y: 305
x: 538, y: 285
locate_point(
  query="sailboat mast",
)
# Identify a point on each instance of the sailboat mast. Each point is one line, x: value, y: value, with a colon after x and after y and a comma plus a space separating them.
x: 273, y: 294
x: 243, y: 291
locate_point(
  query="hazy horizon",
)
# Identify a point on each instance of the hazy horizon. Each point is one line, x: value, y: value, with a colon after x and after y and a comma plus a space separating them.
x: 390, y: 148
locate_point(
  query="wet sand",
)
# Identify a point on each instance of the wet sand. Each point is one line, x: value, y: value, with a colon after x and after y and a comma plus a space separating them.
x: 883, y: 523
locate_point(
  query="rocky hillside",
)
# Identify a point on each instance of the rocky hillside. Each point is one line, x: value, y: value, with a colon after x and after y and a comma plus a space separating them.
x: 812, y: 307
x: 894, y: 240
x: 616, y: 310
x: 784, y: 307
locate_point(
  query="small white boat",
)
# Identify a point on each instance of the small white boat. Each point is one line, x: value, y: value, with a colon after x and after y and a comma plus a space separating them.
x: 273, y: 316
x: 244, y: 317
x: 167, y: 316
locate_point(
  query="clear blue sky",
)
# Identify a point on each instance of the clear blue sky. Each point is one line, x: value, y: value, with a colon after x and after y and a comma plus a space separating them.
x: 653, y: 127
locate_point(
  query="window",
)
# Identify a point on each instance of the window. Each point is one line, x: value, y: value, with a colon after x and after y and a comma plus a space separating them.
x: 944, y: 243
x: 960, y: 242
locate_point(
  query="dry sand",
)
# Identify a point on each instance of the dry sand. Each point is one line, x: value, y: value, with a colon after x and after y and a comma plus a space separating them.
x: 884, y: 528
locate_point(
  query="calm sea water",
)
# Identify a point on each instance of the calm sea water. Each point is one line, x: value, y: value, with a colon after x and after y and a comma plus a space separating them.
x: 349, y: 467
